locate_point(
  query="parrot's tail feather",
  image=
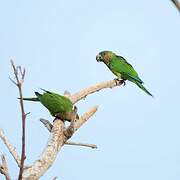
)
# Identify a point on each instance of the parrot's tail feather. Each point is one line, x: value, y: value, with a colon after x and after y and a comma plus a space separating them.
x: 30, y: 99
x: 143, y: 88
x: 38, y: 94
x: 45, y: 90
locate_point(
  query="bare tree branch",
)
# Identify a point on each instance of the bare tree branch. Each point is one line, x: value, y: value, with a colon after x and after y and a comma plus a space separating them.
x: 92, y: 89
x: 85, y: 117
x: 47, y: 124
x: 49, y: 154
x: 19, y: 77
x: 4, y: 167
x: 49, y: 127
x: 53, y: 146
x: 55, y: 178
x: 57, y: 136
x: 177, y: 4
x: 93, y: 146
x: 10, y: 147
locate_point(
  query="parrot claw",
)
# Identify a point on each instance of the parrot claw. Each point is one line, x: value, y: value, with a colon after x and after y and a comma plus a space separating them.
x: 123, y: 82
x: 117, y: 81
x: 120, y: 81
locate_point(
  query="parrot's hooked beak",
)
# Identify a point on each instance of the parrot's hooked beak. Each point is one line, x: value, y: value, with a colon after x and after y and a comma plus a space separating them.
x: 98, y: 58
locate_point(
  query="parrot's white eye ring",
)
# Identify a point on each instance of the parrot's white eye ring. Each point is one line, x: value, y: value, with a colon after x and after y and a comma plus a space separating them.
x: 99, y: 57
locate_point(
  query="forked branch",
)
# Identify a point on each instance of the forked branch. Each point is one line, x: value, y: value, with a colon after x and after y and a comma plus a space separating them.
x: 57, y: 136
x: 19, y: 80
x: 49, y: 127
x: 53, y: 146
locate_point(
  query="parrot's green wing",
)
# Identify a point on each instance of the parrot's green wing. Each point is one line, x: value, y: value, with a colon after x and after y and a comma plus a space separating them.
x: 56, y: 103
x: 121, y: 68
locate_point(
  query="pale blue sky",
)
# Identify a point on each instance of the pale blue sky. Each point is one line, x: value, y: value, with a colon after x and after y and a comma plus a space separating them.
x: 57, y: 41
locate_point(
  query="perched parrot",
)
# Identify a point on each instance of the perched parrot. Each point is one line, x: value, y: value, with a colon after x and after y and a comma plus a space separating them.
x: 121, y: 68
x: 59, y: 106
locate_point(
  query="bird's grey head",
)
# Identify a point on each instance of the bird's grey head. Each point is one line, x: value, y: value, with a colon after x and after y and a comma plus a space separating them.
x: 104, y: 56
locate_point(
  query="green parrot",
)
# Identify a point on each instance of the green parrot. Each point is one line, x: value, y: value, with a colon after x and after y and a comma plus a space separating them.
x: 121, y: 68
x: 59, y: 106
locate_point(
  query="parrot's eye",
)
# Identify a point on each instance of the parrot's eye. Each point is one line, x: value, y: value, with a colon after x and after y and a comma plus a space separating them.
x: 99, y: 57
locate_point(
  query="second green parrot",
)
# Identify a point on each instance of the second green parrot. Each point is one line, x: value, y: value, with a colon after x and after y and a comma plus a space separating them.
x: 121, y: 68
x: 59, y: 106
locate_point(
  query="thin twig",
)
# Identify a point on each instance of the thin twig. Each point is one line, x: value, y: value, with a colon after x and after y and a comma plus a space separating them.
x: 10, y: 147
x: 49, y: 127
x: 55, y: 178
x: 177, y: 4
x: 92, y: 89
x: 93, y: 146
x: 19, y: 76
x: 47, y: 124
x: 4, y: 167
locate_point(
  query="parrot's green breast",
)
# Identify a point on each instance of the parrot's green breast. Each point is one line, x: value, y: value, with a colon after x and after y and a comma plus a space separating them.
x: 56, y: 103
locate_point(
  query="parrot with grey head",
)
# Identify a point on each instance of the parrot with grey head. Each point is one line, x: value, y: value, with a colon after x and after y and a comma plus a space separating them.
x: 121, y: 68
x: 59, y: 106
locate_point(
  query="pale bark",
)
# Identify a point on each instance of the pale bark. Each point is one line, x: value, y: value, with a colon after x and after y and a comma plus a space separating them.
x: 10, y: 147
x: 49, y: 154
x: 56, y: 141
x: 92, y: 89
x: 4, y: 167
x: 57, y: 135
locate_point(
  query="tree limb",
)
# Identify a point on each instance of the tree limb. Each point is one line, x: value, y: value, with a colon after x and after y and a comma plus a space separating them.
x: 85, y: 117
x: 4, y: 167
x: 92, y: 89
x: 57, y: 138
x: 10, y: 147
x: 46, y: 124
x: 49, y: 127
x: 49, y: 154
x: 93, y: 146
x: 53, y: 146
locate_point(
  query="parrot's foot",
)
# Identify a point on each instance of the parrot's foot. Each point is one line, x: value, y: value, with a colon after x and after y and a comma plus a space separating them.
x: 123, y: 82
x: 118, y: 81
